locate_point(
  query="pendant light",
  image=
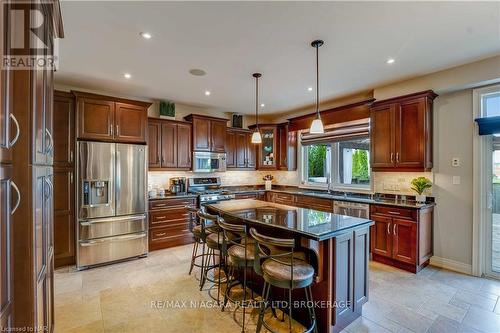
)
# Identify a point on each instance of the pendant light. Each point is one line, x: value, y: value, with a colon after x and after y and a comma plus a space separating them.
x: 317, y: 124
x: 256, y: 137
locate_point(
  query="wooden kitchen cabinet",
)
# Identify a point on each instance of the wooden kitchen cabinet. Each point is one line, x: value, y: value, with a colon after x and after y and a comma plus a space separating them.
x: 104, y: 118
x: 287, y: 148
x: 401, y: 133
x: 169, y: 144
x: 64, y: 184
x: 169, y: 222
x: 402, y: 237
x: 239, y: 149
x: 209, y: 133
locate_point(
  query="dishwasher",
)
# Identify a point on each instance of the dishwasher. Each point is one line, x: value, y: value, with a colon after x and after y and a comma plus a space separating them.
x: 353, y: 209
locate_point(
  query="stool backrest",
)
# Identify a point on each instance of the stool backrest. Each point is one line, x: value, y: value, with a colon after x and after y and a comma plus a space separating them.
x: 277, y: 249
x: 234, y: 234
x: 208, y: 222
x: 193, y: 216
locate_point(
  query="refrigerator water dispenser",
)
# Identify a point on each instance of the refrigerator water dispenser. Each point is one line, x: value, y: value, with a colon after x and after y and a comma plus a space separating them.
x: 96, y: 192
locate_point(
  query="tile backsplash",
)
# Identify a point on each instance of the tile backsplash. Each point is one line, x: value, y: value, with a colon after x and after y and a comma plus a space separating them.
x: 228, y: 178
x: 383, y: 182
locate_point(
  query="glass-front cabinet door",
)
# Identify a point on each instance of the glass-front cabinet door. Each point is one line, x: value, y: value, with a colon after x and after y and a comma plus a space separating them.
x: 268, y: 148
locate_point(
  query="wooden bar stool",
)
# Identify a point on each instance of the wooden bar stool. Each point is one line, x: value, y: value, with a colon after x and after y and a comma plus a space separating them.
x: 200, y: 235
x: 275, y: 261
x: 239, y: 249
x: 214, y: 240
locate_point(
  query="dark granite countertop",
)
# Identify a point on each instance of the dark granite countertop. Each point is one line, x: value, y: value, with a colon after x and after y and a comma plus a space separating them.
x: 338, y: 196
x: 310, y: 223
x: 173, y: 196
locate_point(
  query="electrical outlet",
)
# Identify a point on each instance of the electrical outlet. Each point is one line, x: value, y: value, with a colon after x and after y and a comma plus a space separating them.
x: 455, y: 162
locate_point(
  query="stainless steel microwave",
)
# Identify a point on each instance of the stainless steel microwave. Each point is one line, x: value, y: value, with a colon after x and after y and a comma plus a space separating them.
x: 209, y: 162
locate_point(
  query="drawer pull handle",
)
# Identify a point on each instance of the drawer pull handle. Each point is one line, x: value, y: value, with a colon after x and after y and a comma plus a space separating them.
x: 395, y: 213
x: 161, y: 234
x: 159, y: 205
x: 161, y: 217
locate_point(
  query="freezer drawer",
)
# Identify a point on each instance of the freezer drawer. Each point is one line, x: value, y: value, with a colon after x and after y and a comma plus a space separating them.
x: 114, y: 226
x: 104, y: 250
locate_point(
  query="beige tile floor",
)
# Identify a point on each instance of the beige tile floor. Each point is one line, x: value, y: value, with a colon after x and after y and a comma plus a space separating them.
x: 127, y: 297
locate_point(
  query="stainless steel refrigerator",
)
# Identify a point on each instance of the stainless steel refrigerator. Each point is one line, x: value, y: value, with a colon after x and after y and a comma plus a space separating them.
x: 111, y: 201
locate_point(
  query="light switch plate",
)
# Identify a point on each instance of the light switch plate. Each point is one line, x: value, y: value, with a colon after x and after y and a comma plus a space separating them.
x: 456, y: 180
x: 455, y: 161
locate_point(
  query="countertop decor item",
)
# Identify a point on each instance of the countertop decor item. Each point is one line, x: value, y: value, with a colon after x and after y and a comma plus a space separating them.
x: 268, y: 179
x: 419, y: 185
x: 167, y: 110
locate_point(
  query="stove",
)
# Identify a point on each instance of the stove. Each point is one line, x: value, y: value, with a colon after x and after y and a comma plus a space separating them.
x: 208, y: 190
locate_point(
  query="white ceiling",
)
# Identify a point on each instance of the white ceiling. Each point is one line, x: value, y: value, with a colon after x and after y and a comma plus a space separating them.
x: 232, y: 40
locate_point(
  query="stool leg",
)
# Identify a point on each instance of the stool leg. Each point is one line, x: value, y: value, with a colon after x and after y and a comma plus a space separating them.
x: 312, y: 314
x: 290, y: 309
x: 206, y: 265
x: 193, y: 255
x: 218, y: 273
x: 244, y: 297
x: 265, y: 295
x: 228, y: 287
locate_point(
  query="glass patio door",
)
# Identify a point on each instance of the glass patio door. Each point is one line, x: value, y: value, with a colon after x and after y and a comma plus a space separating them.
x: 493, y: 225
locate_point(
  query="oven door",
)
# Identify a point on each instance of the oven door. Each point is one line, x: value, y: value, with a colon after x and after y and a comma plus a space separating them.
x: 209, y: 162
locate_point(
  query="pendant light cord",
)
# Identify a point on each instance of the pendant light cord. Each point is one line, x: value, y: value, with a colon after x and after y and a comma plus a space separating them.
x: 317, y: 81
x: 257, y: 101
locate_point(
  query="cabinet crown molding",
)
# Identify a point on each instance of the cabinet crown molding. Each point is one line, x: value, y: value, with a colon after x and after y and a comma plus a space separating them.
x: 81, y: 94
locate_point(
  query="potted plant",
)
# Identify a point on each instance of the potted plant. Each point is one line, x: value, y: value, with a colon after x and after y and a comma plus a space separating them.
x: 167, y: 110
x: 268, y: 180
x: 419, y: 185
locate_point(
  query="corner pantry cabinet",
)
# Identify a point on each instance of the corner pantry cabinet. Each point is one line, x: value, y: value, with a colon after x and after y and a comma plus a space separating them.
x: 104, y: 118
x: 401, y: 133
x: 27, y: 178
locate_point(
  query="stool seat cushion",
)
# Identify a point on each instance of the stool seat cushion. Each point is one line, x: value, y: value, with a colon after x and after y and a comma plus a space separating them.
x: 216, y: 239
x: 278, y: 273
x: 236, y: 255
x: 197, y: 231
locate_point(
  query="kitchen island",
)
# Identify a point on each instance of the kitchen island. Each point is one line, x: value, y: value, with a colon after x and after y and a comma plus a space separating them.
x: 336, y: 245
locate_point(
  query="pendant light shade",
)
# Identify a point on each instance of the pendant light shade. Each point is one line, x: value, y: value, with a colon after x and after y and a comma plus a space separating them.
x: 317, y: 124
x: 256, y: 137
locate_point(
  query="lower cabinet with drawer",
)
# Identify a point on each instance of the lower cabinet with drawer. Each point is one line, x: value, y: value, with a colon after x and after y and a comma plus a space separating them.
x: 169, y: 222
x: 401, y: 237
x: 251, y: 195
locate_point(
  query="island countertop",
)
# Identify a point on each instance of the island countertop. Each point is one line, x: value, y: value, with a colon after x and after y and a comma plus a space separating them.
x: 309, y: 223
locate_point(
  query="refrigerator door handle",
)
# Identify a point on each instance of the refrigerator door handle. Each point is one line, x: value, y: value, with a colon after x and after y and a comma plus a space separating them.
x: 133, y: 218
x: 113, y: 239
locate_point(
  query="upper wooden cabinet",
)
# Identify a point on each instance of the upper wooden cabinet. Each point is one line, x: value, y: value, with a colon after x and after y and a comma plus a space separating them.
x: 105, y: 118
x: 401, y: 133
x: 64, y: 129
x: 209, y: 133
x: 240, y: 151
x: 287, y: 148
x: 278, y: 150
x: 169, y: 144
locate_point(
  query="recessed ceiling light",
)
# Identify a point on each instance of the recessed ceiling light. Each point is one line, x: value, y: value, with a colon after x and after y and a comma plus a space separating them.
x: 310, y: 89
x: 197, y: 72
x: 390, y: 61
x: 262, y: 105
x: 127, y: 75
x: 146, y: 35
x: 207, y: 93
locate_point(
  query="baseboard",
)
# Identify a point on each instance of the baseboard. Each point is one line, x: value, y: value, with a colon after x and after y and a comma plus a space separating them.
x: 452, y: 265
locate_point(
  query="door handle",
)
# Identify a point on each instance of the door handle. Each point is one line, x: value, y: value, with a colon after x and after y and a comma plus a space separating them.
x: 388, y: 228
x: 16, y: 206
x: 14, y: 140
x: 112, y: 239
x: 392, y: 157
x: 117, y: 129
x: 71, y: 177
x: 111, y: 129
x: 71, y: 156
x: 397, y: 157
x: 394, y: 229
x: 51, y: 141
x: 51, y: 187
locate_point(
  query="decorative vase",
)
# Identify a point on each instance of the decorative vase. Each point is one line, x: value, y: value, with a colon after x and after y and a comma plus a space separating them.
x: 268, y: 185
x: 420, y: 198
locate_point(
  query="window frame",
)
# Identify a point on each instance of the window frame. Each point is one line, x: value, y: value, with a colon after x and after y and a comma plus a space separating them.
x: 335, y: 184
